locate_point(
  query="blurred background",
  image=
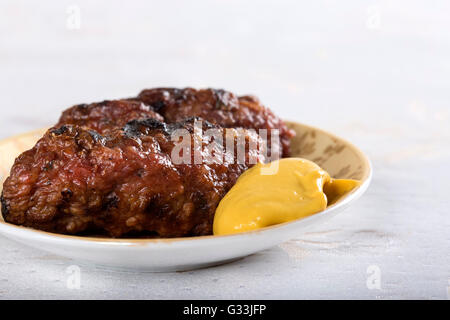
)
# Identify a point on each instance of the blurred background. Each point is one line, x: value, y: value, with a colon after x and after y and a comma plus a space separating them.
x: 374, y: 72
x: 334, y: 64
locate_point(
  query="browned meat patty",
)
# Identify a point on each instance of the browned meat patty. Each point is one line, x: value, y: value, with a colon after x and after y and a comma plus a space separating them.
x: 107, y: 115
x: 123, y: 183
x: 216, y: 106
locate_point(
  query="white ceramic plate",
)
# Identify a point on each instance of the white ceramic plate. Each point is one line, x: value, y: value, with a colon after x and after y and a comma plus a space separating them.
x: 340, y: 158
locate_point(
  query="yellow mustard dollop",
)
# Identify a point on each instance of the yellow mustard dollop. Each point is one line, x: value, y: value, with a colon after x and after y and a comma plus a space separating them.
x: 277, y: 192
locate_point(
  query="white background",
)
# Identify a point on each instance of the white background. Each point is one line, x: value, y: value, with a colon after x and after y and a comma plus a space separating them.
x: 374, y: 72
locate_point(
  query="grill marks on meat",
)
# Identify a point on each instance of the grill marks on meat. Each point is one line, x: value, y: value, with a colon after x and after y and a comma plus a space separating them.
x: 216, y: 106
x: 108, y: 168
x: 122, y: 183
x: 107, y: 115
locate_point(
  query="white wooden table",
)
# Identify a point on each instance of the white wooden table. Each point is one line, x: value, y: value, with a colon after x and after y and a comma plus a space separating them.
x: 375, y: 73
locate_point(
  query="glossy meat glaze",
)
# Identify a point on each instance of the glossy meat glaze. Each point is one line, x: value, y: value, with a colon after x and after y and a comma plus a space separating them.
x: 108, y: 168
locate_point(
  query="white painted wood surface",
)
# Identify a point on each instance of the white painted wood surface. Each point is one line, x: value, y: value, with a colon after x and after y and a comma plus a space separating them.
x: 376, y: 73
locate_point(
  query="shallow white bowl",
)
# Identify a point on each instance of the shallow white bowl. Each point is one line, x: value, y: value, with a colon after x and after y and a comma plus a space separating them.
x: 340, y: 158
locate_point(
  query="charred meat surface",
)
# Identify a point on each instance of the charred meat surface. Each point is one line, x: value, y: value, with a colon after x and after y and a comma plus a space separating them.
x: 216, y: 106
x: 107, y: 115
x: 125, y: 182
